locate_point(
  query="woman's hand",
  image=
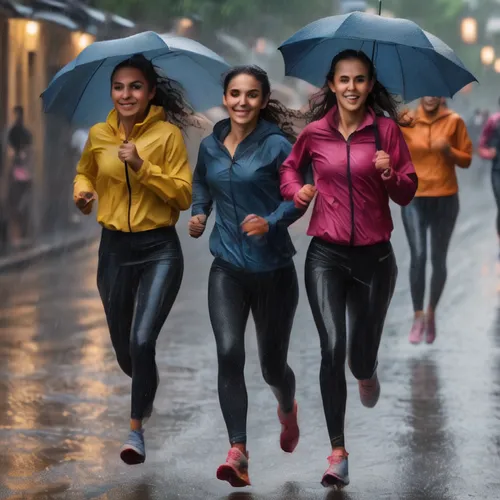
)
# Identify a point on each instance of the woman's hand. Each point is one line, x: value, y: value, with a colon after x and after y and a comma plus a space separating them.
x: 196, y: 225
x: 303, y: 198
x: 128, y: 153
x: 441, y: 145
x: 84, y: 201
x: 382, y: 162
x: 253, y: 225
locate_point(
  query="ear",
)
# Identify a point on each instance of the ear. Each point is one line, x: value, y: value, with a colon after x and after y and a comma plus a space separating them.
x: 152, y: 94
x: 224, y: 100
x: 331, y: 86
x: 372, y: 84
x: 265, y: 102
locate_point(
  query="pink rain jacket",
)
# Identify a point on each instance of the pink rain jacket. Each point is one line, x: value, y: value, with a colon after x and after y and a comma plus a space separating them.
x: 352, y: 202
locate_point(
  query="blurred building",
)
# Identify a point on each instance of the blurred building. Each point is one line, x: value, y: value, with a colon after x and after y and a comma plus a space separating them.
x: 37, y: 38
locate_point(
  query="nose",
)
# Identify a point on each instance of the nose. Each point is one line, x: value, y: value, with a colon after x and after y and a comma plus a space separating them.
x: 243, y: 100
x: 351, y: 85
x: 125, y: 93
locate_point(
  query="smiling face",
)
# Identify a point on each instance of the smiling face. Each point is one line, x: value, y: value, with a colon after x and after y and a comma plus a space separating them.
x: 130, y: 93
x: 244, y: 99
x: 351, y: 84
x: 431, y: 104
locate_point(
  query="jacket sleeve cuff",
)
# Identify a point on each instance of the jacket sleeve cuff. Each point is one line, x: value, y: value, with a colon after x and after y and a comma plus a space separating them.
x: 144, y: 172
x: 271, y: 220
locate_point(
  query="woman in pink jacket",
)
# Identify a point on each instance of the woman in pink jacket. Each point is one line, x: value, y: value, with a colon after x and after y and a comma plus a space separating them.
x: 360, y: 161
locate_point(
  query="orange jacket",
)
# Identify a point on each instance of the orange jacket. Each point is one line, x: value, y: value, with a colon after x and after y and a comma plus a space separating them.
x: 435, y: 169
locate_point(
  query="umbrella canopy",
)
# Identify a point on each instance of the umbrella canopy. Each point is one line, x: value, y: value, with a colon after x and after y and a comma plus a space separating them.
x: 410, y: 62
x: 81, y: 90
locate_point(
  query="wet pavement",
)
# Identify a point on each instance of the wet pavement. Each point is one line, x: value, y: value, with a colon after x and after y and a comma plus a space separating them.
x: 64, y: 403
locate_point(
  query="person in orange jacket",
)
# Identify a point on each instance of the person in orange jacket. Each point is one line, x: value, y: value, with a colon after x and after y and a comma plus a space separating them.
x: 438, y: 141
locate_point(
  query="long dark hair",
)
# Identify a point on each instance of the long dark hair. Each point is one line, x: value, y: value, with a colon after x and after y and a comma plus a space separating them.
x: 169, y: 94
x: 380, y: 100
x: 275, y: 112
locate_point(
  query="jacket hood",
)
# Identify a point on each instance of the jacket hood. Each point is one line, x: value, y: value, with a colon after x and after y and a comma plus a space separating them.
x: 264, y: 129
x: 422, y: 117
x: 155, y: 114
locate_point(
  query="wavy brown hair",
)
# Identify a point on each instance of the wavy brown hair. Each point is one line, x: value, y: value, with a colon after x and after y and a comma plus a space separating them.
x: 380, y: 100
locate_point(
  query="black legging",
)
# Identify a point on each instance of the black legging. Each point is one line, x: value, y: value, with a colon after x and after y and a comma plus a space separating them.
x: 359, y: 280
x: 495, y: 182
x: 139, y: 276
x: 272, y: 297
x: 439, y: 214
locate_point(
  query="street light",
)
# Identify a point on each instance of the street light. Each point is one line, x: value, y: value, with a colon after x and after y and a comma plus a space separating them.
x: 32, y: 28
x: 497, y: 66
x: 487, y: 55
x: 468, y: 29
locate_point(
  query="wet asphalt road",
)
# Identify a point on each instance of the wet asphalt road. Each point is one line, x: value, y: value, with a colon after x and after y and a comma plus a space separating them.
x: 64, y: 404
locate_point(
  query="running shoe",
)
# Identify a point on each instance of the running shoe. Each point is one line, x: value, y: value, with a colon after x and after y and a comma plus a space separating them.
x: 290, y: 432
x: 417, y: 331
x: 369, y: 391
x: 430, y: 330
x: 133, y: 452
x: 337, y: 474
x: 235, y: 470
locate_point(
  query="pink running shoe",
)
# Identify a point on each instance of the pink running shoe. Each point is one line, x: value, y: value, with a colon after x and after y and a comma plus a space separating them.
x: 337, y: 474
x: 369, y: 391
x: 417, y: 331
x: 430, y: 330
x: 235, y: 470
x: 290, y: 432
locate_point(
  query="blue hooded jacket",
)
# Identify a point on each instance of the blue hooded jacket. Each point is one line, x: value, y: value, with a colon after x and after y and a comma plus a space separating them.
x: 246, y: 184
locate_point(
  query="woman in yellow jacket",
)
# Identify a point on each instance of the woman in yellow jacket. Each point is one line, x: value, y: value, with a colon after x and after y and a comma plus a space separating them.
x: 438, y: 141
x: 136, y: 165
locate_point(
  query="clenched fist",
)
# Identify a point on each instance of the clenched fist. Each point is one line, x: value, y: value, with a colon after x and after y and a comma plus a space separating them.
x: 253, y: 225
x: 84, y: 201
x: 196, y: 225
x: 303, y: 198
x: 128, y: 153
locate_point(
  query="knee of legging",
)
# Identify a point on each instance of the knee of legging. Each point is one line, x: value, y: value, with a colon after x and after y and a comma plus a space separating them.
x: 333, y: 357
x: 418, y: 258
x: 273, y: 374
x: 361, y: 370
x: 141, y: 348
x: 231, y: 361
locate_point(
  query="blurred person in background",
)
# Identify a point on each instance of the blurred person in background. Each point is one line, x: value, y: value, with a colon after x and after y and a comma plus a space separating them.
x: 359, y: 161
x: 20, y: 184
x: 438, y: 141
x: 253, y: 269
x: 137, y: 165
x: 489, y: 149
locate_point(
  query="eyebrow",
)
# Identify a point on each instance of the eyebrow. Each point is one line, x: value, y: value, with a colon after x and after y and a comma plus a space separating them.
x: 131, y: 83
x: 251, y: 90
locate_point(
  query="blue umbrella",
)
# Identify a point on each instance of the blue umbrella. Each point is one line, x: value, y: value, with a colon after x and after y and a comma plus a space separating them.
x: 410, y: 62
x: 81, y: 90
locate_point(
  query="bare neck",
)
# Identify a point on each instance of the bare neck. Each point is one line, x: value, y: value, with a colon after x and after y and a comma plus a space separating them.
x: 349, y: 121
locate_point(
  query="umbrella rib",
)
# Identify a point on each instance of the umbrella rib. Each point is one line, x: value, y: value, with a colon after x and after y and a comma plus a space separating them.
x: 402, y: 71
x: 86, y: 85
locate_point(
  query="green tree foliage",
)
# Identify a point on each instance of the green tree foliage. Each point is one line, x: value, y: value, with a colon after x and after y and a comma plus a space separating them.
x: 280, y: 17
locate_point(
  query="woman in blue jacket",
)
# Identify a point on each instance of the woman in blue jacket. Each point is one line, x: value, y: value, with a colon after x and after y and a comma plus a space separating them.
x: 253, y: 269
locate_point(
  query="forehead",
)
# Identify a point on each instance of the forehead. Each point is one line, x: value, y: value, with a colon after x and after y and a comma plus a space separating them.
x: 129, y: 74
x: 244, y: 83
x: 352, y: 67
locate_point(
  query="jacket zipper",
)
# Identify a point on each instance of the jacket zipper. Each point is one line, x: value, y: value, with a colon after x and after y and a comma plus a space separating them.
x: 129, y: 187
x: 351, y: 194
x: 234, y: 208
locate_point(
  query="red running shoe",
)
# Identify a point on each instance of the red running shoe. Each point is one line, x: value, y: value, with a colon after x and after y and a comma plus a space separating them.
x: 235, y: 470
x: 290, y: 432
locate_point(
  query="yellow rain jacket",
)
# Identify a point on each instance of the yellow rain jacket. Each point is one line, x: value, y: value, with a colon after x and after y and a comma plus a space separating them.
x: 153, y: 196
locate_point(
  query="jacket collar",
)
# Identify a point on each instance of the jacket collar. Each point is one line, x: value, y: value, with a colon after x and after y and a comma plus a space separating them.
x: 155, y: 114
